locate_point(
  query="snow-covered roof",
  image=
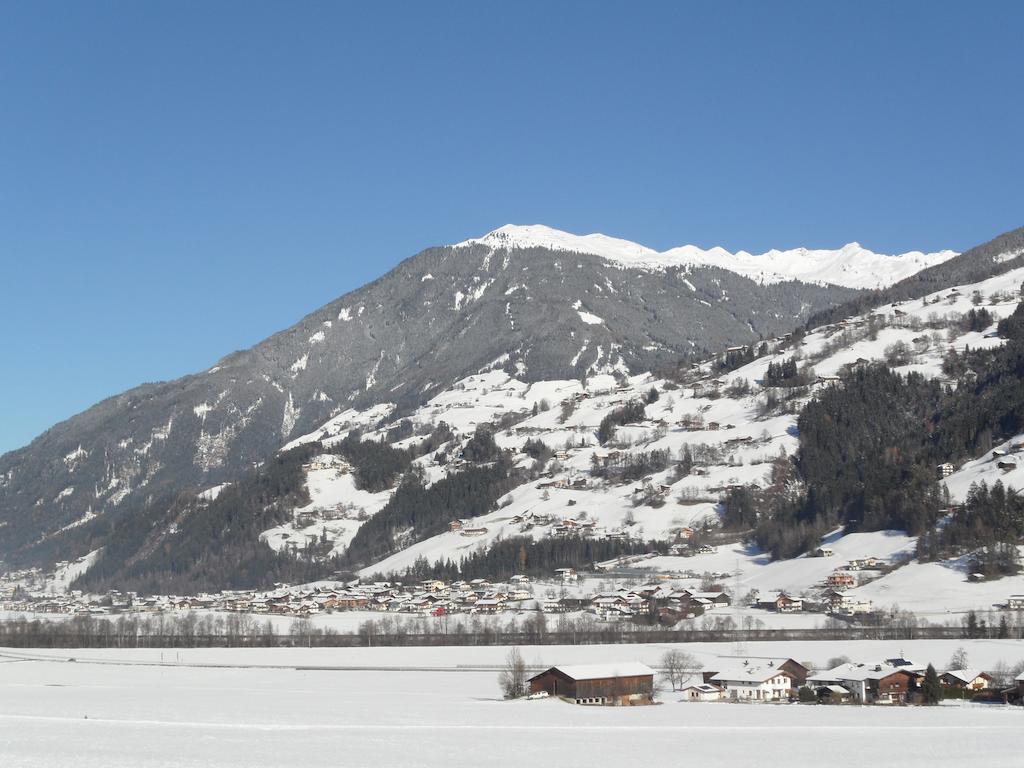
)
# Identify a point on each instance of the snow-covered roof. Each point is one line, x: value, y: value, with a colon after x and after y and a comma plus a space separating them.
x: 869, y: 671
x: 600, y: 671
x: 836, y: 689
x: 750, y: 674
x: 965, y: 675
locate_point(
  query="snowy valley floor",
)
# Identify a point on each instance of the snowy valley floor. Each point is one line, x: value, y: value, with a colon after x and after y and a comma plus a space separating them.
x: 114, y: 715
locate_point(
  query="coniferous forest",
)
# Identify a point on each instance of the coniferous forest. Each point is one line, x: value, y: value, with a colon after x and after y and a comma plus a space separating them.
x: 869, y: 448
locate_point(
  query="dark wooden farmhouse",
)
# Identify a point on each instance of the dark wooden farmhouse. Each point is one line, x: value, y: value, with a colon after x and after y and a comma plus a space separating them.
x: 609, y: 684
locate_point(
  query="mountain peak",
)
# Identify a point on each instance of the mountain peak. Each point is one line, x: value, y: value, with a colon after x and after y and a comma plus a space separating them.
x: 851, y: 266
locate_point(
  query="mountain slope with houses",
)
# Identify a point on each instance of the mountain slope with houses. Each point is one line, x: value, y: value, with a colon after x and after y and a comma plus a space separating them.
x: 436, y: 318
x: 617, y: 461
x: 580, y: 336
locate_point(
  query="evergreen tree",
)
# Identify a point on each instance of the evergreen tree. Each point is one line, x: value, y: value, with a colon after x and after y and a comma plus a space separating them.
x: 932, y: 687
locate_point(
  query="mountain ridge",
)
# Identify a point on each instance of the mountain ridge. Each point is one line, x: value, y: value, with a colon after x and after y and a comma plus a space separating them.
x: 851, y: 266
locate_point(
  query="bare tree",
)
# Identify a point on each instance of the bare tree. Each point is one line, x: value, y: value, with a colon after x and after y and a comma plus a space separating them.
x: 678, y: 666
x: 512, y: 678
x: 959, y: 659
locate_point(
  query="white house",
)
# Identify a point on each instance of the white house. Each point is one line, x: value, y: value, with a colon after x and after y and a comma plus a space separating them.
x: 755, y: 683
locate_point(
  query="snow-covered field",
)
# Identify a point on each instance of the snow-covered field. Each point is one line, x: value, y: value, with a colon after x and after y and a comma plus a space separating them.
x: 56, y: 713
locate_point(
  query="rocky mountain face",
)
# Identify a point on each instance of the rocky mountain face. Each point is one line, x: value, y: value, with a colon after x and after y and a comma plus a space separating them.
x: 540, y: 313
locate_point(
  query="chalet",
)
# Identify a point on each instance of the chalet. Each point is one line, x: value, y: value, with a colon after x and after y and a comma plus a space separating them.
x: 553, y: 605
x: 624, y: 684
x: 945, y: 470
x: 794, y: 668
x: 841, y: 580
x: 875, y: 683
x: 786, y: 604
x: 473, y: 531
x: 755, y: 683
x: 966, y: 679
x: 1015, y: 602
x: 566, y: 574
x: 1006, y: 465
x: 489, y: 605
x: 823, y: 552
x: 832, y: 599
x: 455, y: 525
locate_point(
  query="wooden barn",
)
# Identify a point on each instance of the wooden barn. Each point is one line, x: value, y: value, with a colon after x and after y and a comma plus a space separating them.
x: 624, y: 684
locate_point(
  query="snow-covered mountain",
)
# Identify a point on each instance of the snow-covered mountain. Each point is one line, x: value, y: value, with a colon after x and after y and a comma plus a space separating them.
x: 852, y: 266
x: 463, y: 334
x: 725, y: 421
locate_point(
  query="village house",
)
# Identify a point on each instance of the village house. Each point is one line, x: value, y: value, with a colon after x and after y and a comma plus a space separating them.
x: 751, y: 682
x: 870, y: 684
x: 786, y: 604
x: 966, y: 679
x: 625, y: 684
x: 1015, y: 602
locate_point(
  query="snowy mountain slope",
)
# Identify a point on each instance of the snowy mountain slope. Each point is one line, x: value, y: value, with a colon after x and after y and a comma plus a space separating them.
x: 739, y: 450
x: 852, y: 266
x: 469, y: 335
x: 438, y: 317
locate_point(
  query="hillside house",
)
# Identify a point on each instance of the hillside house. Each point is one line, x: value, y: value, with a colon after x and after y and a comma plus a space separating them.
x: 864, y: 563
x: 945, y: 470
x: 566, y: 574
x: 841, y: 580
x: 625, y: 684
x: 1015, y: 602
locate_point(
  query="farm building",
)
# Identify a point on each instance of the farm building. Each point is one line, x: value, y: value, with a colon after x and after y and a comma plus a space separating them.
x: 624, y: 684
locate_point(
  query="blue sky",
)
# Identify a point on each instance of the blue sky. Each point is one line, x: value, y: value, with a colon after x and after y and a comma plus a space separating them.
x: 182, y: 179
